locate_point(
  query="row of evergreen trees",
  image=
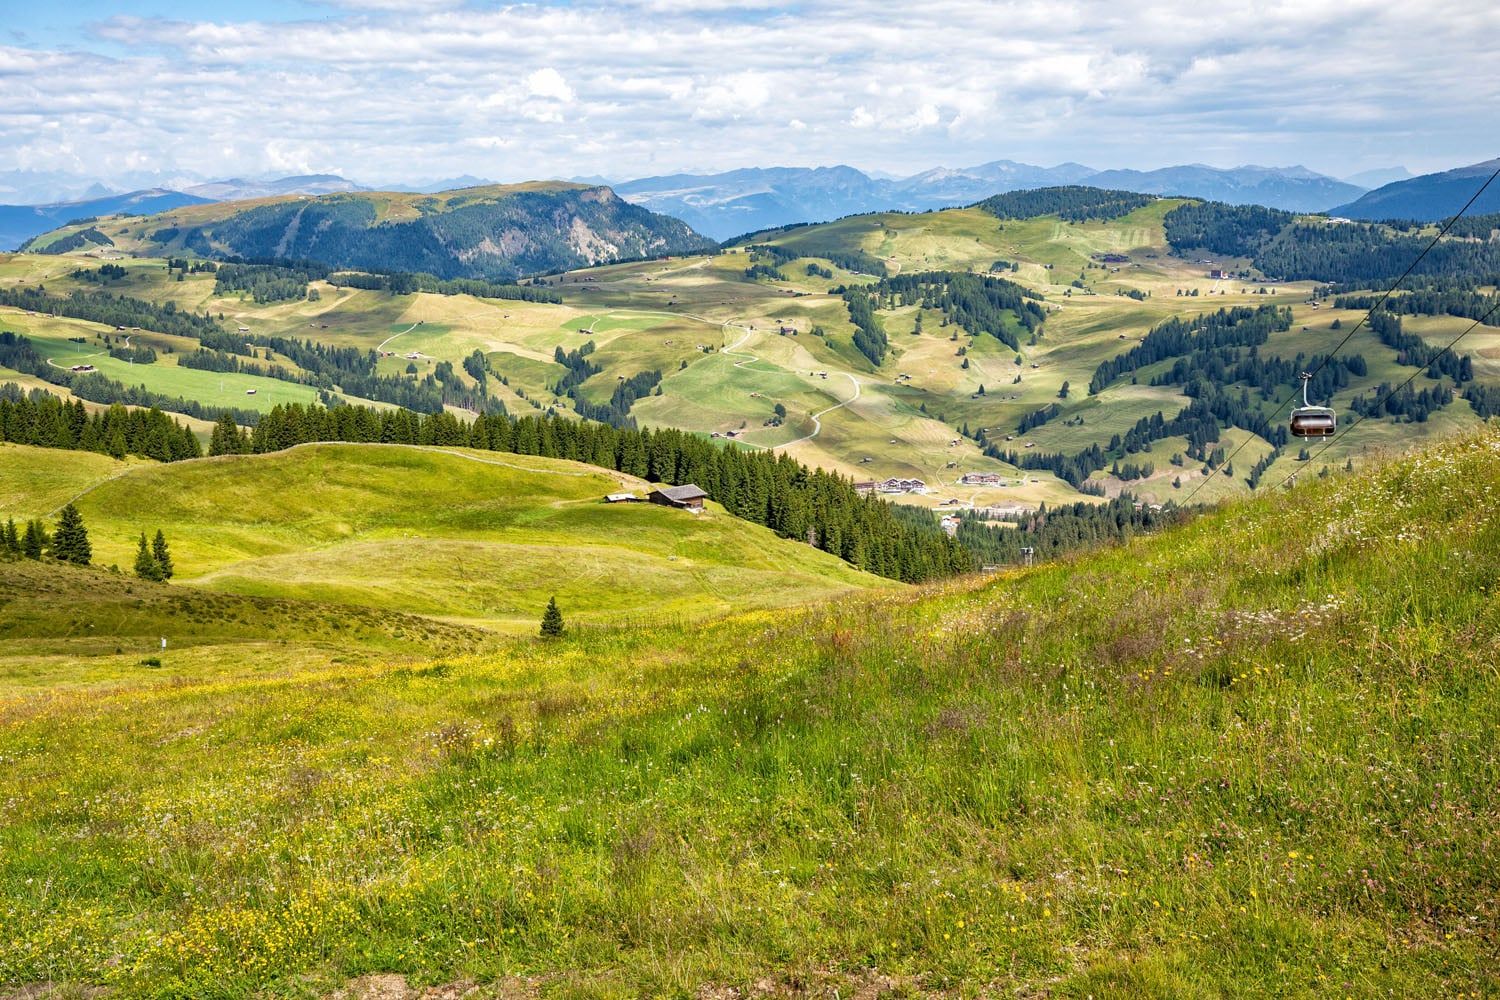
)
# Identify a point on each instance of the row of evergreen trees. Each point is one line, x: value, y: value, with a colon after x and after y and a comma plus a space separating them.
x: 267, y: 282
x: 43, y: 420
x: 759, y: 486
x: 1413, y: 350
x: 1358, y: 254
x: 980, y: 303
x: 1052, y: 531
x: 869, y: 333
x: 1436, y: 299
x: 1074, y: 202
x: 1240, y: 326
x: 111, y: 310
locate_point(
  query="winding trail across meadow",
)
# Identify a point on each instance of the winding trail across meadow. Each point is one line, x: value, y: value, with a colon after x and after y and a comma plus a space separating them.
x: 817, y: 423
x: 733, y: 351
x: 393, y: 336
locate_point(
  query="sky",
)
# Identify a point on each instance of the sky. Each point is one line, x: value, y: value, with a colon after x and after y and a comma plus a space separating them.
x: 409, y: 90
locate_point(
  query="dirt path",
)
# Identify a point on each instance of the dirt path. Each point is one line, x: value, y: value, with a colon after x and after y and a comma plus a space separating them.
x: 84, y: 357
x: 733, y: 351
x: 393, y: 336
x: 818, y: 423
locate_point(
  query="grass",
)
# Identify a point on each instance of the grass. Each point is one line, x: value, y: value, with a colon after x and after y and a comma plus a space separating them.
x: 1253, y: 756
x: 472, y: 537
x: 52, y: 337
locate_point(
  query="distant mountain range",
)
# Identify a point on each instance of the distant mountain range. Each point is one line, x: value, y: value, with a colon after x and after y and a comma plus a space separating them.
x: 18, y: 223
x: 728, y: 204
x: 1429, y: 197
x: 739, y: 201
x: 238, y: 189
x: 496, y: 232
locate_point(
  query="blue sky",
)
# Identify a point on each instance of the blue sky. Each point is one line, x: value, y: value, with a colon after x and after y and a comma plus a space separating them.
x: 401, y: 90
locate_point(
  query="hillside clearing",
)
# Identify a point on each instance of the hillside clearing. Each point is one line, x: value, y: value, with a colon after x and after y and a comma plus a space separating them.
x: 472, y: 537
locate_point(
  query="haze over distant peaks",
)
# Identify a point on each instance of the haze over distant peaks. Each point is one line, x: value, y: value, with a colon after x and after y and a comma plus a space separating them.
x: 1295, y: 189
x: 238, y: 189
x: 18, y: 223
x: 1378, y: 177
x: 737, y: 201
x: 446, y: 184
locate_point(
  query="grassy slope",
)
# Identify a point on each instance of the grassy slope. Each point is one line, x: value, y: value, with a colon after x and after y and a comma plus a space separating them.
x: 471, y: 536
x: 1255, y: 756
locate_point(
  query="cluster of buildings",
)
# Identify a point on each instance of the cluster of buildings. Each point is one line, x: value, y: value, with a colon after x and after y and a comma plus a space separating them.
x: 893, y: 485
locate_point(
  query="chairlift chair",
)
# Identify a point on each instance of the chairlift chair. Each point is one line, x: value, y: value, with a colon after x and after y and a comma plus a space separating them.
x: 1310, y: 421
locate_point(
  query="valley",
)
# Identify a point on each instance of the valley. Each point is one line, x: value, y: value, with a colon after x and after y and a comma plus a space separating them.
x: 731, y: 349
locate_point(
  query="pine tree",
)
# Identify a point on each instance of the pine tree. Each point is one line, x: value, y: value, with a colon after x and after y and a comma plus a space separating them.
x: 552, y: 620
x: 11, y: 542
x: 162, y: 555
x: 146, y: 566
x: 34, y: 540
x: 225, y: 439
x: 70, y: 542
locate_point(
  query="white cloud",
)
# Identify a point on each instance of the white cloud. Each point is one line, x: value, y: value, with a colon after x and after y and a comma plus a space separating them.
x: 648, y: 86
x: 549, y: 83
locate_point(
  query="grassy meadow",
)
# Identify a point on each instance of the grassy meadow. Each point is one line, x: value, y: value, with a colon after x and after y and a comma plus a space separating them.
x: 477, y: 538
x: 1252, y: 756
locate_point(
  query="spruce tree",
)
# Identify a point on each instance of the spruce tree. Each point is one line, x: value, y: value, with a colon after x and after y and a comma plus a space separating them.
x: 146, y: 566
x: 552, y: 620
x: 70, y: 542
x: 12, y: 540
x: 225, y: 439
x: 162, y: 555
x: 34, y: 540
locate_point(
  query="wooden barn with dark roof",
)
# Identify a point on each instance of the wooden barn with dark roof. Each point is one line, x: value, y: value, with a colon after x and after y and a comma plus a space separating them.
x: 686, y: 497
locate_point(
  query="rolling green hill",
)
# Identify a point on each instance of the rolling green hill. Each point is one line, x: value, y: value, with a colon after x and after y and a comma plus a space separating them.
x: 485, y: 232
x: 477, y: 538
x: 1252, y: 756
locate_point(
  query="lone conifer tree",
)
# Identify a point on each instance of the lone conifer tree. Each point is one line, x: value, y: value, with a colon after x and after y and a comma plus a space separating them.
x: 552, y: 620
x: 162, y: 555
x: 33, y: 541
x: 146, y: 566
x: 70, y: 542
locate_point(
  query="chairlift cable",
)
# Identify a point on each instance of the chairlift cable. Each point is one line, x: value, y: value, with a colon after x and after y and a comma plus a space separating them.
x: 1281, y: 405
